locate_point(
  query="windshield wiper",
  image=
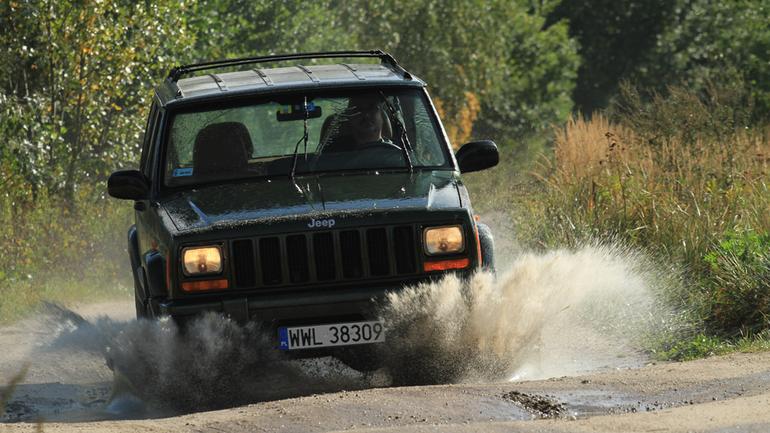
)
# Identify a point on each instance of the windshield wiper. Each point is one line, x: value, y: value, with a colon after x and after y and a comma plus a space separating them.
x: 303, y: 138
x: 406, y: 146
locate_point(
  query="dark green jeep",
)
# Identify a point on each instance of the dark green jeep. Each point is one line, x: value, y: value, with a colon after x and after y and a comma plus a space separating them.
x: 295, y: 196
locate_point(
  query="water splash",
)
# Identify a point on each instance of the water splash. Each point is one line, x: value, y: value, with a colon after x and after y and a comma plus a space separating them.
x: 555, y: 313
x: 549, y: 314
x: 214, y: 362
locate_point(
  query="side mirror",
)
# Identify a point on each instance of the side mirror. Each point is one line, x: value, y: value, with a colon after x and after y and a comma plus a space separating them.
x: 477, y: 155
x: 128, y: 185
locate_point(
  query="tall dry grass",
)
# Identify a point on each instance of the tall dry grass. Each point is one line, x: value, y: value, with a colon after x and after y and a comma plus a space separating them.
x: 668, y: 182
x: 676, y: 195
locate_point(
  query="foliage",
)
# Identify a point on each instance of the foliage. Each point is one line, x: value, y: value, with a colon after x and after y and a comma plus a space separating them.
x: 703, y: 38
x: 698, y: 346
x: 460, y: 127
x: 77, y: 81
x: 675, y: 176
x: 57, y: 254
x: 231, y: 28
x: 521, y: 73
x: 655, y: 44
x: 739, y: 283
x: 77, y: 86
x: 614, y: 37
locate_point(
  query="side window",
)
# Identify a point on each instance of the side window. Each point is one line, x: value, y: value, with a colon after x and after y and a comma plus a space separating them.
x: 149, y: 131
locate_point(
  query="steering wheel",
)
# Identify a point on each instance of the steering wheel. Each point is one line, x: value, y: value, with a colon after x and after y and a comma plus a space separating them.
x: 379, y: 144
x: 377, y: 153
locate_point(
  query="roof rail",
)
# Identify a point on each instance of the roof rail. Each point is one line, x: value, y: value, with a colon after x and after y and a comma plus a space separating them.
x: 385, y: 58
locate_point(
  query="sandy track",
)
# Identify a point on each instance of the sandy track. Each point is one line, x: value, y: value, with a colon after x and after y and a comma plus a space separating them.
x: 71, y: 391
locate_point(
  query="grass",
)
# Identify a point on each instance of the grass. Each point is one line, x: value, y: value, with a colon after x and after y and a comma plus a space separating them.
x: 703, y: 345
x: 683, y: 177
x: 22, y: 298
x: 61, y: 252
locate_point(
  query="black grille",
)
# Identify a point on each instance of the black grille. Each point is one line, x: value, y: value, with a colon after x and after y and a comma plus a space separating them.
x: 244, y: 261
x: 270, y: 259
x: 350, y: 246
x: 324, y: 257
x: 377, y: 246
x: 296, y: 254
x: 323, y: 253
x: 405, y: 250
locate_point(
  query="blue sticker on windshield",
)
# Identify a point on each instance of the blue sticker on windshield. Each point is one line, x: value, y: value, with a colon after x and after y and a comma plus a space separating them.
x: 181, y: 172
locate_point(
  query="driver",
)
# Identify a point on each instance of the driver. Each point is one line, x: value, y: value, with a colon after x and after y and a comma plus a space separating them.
x: 367, y: 120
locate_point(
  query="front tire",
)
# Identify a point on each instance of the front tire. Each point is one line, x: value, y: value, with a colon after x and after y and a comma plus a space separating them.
x: 487, y: 244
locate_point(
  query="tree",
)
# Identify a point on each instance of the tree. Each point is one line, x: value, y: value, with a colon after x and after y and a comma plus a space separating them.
x: 489, y: 55
x: 705, y: 41
x: 232, y: 28
x: 615, y: 37
x: 79, y: 76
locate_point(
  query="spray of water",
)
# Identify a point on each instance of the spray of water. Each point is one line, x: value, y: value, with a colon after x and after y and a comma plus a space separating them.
x: 549, y: 314
x: 555, y: 313
x: 212, y: 363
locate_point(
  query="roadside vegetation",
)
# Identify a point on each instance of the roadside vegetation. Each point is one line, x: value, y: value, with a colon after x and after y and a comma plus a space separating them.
x: 682, y: 176
x: 643, y: 122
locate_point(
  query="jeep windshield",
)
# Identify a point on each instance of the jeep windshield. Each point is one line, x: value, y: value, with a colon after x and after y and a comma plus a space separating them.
x: 305, y: 133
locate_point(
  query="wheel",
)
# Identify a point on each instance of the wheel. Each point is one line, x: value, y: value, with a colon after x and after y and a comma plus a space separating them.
x: 487, y: 242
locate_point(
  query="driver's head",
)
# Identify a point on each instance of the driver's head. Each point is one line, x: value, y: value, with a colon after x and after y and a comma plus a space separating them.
x: 365, y: 121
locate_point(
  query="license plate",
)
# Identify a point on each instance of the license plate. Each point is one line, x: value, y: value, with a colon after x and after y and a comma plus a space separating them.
x: 336, y: 334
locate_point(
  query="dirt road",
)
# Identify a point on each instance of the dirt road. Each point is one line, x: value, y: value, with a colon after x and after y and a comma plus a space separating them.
x: 69, y: 387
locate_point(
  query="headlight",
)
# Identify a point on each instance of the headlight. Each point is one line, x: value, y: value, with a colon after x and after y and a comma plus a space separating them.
x: 202, y: 260
x: 444, y: 240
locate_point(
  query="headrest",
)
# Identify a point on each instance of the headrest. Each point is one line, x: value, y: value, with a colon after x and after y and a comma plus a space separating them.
x: 221, y: 147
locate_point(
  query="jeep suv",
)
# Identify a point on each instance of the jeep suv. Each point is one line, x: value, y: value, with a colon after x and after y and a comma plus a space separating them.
x: 297, y: 195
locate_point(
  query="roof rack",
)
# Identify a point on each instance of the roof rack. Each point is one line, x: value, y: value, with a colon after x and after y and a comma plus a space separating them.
x: 385, y: 58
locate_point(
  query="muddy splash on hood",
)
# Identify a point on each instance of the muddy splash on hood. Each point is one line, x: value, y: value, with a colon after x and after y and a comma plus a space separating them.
x: 556, y: 313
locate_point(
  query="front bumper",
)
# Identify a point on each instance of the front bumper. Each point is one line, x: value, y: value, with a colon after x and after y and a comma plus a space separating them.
x: 306, y: 307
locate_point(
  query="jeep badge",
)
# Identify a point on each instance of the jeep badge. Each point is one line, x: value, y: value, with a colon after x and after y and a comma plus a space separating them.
x: 314, y: 223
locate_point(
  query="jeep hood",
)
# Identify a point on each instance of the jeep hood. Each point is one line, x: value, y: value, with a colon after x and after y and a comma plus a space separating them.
x: 267, y: 199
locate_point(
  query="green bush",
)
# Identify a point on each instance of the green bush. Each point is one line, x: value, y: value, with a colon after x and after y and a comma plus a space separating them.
x: 739, y: 283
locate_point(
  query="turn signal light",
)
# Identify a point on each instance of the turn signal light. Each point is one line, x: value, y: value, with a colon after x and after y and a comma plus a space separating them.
x: 444, y: 265
x: 201, y: 286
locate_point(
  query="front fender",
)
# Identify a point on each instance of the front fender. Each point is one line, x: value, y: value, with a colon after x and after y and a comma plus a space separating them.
x: 155, y: 265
